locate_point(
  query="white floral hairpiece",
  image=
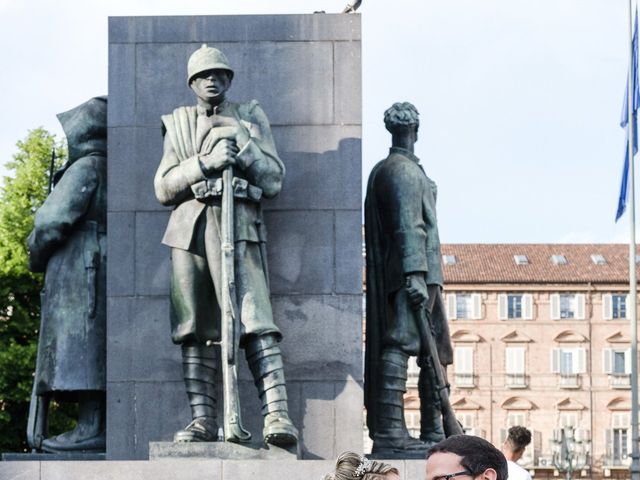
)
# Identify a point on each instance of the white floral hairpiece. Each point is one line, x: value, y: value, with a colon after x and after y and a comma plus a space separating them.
x: 363, y: 467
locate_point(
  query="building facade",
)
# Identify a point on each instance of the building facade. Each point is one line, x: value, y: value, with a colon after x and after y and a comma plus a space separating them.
x: 541, y: 339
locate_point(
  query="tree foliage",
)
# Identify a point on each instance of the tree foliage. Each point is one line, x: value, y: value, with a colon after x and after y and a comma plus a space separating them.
x: 21, y: 193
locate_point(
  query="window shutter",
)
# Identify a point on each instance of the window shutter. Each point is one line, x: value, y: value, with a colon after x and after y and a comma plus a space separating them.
x: 608, y: 441
x: 580, y: 361
x: 555, y: 306
x: 555, y: 360
x: 463, y: 360
x: 607, y: 309
x: 476, y: 301
x: 451, y: 306
x: 502, y: 306
x: 607, y: 360
x: 627, y: 304
x: 580, y: 306
x: 514, y: 360
x: 627, y: 361
x: 527, y: 306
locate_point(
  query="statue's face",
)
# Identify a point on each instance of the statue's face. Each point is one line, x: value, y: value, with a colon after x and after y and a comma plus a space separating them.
x: 211, y: 85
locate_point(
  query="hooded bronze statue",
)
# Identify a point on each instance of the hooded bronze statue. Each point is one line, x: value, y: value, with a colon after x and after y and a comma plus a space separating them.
x: 404, y: 275
x: 68, y: 243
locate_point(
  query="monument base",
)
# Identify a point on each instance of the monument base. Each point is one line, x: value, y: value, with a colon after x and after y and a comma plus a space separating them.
x: 221, y: 451
x: 43, y: 457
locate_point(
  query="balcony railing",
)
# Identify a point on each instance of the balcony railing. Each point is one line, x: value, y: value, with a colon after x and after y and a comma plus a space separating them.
x: 515, y: 380
x: 464, y: 380
x: 620, y: 380
x: 569, y: 380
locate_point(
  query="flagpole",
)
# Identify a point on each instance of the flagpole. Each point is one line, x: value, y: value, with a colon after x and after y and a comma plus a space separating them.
x: 633, y: 290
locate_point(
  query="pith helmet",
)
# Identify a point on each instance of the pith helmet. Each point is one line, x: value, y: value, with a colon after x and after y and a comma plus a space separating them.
x: 207, y: 58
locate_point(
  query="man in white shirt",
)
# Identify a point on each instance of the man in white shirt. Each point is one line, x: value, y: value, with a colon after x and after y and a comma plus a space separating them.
x: 513, y: 449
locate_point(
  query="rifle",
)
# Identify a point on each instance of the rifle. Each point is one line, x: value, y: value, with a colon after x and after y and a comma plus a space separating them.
x: 38, y: 421
x: 429, y: 359
x: 233, y: 430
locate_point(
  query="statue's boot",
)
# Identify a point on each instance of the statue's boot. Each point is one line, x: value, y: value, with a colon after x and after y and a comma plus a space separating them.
x: 89, y: 434
x: 199, y: 370
x: 391, y: 435
x: 265, y: 362
x: 431, y: 429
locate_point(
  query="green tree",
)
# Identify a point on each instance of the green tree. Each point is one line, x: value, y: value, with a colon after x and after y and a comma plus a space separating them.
x: 21, y: 193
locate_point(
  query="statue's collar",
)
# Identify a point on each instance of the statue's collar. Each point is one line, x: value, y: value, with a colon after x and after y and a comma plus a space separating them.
x: 405, y: 152
x: 209, y: 110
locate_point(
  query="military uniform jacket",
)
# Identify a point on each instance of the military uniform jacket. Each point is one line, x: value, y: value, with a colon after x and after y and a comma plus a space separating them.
x: 69, y: 241
x: 180, y: 181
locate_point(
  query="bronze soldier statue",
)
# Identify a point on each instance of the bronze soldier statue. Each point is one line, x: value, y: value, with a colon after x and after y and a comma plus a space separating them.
x: 68, y: 242
x: 214, y: 148
x: 405, y: 310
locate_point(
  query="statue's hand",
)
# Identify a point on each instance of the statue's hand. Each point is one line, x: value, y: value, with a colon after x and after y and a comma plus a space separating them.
x: 215, y: 135
x: 417, y: 289
x: 223, y: 154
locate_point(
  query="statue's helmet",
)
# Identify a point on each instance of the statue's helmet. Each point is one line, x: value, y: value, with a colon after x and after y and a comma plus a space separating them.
x: 207, y: 58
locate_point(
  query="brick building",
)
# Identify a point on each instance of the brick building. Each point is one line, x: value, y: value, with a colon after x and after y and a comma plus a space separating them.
x: 541, y: 339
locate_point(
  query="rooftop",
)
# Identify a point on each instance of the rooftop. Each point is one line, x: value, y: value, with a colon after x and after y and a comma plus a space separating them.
x: 546, y: 263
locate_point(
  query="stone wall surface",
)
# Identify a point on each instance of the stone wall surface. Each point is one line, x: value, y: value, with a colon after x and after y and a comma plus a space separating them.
x: 305, y: 72
x: 185, y: 470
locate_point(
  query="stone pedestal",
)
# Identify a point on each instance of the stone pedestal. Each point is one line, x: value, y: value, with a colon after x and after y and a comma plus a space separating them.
x: 305, y: 72
x: 221, y: 451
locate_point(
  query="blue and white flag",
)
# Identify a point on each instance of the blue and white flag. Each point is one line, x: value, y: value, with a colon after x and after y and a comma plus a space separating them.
x: 624, y: 120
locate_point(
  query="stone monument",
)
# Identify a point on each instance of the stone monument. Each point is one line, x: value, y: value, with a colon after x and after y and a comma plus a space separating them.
x: 405, y: 310
x: 68, y: 243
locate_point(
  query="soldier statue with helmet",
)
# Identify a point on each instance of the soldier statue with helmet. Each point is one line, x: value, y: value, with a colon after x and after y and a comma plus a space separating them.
x: 214, y: 148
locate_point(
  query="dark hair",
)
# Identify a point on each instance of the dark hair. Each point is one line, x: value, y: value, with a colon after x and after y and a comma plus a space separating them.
x: 351, y: 466
x: 401, y: 116
x: 477, y: 454
x: 518, y: 438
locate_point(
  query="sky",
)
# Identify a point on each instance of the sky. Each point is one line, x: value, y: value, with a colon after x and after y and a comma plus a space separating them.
x: 520, y: 100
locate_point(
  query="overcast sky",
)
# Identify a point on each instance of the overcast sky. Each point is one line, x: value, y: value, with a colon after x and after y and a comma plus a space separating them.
x: 519, y: 99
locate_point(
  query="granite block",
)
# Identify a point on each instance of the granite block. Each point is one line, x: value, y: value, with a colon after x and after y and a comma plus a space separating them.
x: 191, y: 469
x: 414, y: 469
x: 153, y: 264
x: 120, y: 353
x: 169, y: 451
x: 323, y: 168
x: 300, y: 89
x: 121, y: 420
x: 349, y: 258
x: 300, y: 251
x: 319, y: 421
x: 348, y: 83
x: 120, y: 254
x: 276, y: 470
x: 122, y: 94
x: 28, y: 470
x: 349, y: 404
x: 161, y: 410
x: 234, y: 28
x: 323, y: 336
x: 134, y: 155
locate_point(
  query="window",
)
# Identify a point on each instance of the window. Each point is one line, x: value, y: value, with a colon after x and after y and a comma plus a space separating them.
x: 559, y: 259
x: 412, y: 420
x: 449, y: 259
x: 514, y: 367
x: 464, y: 306
x: 413, y: 372
x: 618, y: 306
x: 568, y: 363
x: 515, y: 419
x: 463, y: 367
x: 568, y: 420
x: 567, y: 306
x: 515, y: 305
x: 521, y: 259
x: 619, y: 439
x: 598, y: 259
x: 617, y: 364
